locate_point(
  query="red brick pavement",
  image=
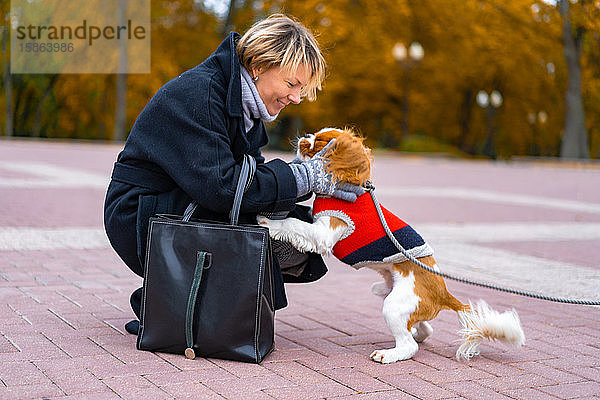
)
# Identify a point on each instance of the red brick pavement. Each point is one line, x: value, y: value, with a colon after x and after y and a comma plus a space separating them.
x: 63, y: 309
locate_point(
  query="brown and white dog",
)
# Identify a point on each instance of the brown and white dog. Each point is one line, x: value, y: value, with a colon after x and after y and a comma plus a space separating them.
x: 413, y: 296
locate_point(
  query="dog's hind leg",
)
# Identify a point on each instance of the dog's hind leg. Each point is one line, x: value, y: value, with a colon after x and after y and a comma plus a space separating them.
x: 397, y: 309
x: 382, y: 289
x: 421, y: 331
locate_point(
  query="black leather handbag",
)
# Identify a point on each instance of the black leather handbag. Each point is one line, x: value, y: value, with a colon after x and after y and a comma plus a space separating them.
x: 208, y: 287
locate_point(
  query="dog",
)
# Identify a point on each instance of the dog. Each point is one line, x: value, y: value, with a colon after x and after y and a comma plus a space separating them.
x: 355, y: 235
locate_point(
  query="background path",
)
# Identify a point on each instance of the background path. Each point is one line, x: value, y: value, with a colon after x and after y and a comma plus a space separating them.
x: 535, y: 226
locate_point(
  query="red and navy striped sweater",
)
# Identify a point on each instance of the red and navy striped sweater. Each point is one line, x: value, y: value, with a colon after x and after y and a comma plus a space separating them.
x: 365, y: 240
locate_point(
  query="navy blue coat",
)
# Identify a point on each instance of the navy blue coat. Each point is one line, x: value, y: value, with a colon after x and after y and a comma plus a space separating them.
x: 188, y: 143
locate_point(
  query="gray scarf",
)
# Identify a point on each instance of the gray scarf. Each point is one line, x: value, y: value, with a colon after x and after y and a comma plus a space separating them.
x: 252, y: 104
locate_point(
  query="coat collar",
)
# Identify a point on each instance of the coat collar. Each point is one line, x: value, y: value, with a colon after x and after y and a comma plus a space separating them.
x: 228, y: 59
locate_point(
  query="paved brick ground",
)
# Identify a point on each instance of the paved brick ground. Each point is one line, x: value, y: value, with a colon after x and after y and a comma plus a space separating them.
x: 64, y: 293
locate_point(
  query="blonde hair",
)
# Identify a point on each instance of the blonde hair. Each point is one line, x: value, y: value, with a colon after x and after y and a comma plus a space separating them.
x: 279, y: 41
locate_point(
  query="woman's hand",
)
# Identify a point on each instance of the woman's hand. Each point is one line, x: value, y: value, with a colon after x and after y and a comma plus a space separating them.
x: 313, y: 176
x: 347, y: 191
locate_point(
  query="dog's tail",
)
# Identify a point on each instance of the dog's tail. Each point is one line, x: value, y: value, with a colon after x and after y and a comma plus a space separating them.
x: 482, y: 322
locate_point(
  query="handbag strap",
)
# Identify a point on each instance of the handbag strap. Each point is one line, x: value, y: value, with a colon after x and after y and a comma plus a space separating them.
x: 203, y: 262
x: 244, y: 181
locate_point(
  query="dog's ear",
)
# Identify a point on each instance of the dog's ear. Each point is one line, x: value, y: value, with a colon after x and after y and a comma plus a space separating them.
x: 349, y: 159
x: 325, y: 137
x: 363, y: 173
x: 322, y: 139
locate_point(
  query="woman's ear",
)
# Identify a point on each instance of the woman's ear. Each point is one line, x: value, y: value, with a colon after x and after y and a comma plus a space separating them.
x: 255, y: 72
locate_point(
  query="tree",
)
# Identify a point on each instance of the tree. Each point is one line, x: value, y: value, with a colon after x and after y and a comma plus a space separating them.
x: 469, y: 46
x: 119, y: 133
x: 228, y: 23
x: 7, y: 82
x: 575, y: 138
x: 512, y: 46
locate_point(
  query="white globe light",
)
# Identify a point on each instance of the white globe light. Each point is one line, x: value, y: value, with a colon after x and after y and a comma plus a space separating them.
x: 482, y: 99
x: 496, y: 99
x: 399, y: 52
x: 415, y: 51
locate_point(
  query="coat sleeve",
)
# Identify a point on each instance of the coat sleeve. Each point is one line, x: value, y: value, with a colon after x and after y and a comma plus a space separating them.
x: 185, y: 130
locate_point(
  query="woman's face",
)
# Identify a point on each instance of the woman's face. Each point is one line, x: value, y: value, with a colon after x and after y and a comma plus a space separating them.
x: 277, y: 88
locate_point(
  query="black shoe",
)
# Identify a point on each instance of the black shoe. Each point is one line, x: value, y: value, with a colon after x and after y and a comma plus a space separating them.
x: 133, y: 326
x: 136, y: 301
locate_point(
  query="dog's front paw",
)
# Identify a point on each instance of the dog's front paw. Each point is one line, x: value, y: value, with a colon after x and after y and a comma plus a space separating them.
x: 392, y: 355
x: 385, y: 356
x: 275, y: 226
x: 262, y: 220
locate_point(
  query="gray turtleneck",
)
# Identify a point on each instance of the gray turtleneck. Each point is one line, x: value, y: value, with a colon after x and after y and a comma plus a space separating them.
x: 253, y: 106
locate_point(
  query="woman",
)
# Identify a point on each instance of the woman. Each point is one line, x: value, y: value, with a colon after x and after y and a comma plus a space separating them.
x: 189, y: 140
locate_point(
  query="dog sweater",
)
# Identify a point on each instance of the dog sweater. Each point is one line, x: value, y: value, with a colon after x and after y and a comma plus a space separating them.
x: 364, y: 240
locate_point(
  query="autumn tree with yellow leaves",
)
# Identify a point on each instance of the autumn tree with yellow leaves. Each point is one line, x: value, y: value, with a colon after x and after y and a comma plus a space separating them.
x: 83, y: 106
x: 511, y: 48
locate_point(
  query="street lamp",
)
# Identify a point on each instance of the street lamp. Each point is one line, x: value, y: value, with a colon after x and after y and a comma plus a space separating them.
x: 415, y: 52
x: 407, y: 59
x: 490, y: 103
x: 537, y: 121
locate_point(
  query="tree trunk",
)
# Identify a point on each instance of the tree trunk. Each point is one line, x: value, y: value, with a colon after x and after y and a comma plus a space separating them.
x: 575, y: 137
x: 465, y: 120
x: 228, y: 24
x: 121, y: 107
x: 121, y: 86
x: 37, y: 127
x: 7, y: 84
x: 104, y: 109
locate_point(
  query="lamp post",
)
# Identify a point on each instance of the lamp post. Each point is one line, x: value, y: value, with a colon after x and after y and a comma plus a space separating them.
x: 490, y: 104
x: 407, y: 59
x: 537, y: 121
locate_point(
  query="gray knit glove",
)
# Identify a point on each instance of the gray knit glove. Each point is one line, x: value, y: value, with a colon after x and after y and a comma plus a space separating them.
x: 312, y: 176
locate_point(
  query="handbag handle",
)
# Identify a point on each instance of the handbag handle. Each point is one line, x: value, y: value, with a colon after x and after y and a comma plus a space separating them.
x: 243, y: 184
x: 203, y: 262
